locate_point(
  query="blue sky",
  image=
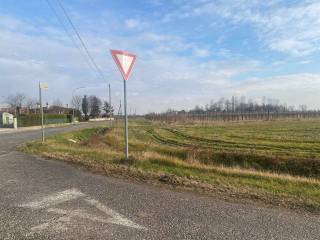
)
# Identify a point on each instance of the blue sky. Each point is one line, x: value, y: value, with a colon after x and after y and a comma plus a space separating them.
x: 189, y: 51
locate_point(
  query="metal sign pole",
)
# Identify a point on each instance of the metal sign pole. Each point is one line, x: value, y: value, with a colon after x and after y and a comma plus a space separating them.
x: 73, y: 114
x: 125, y: 62
x: 42, y: 127
x: 111, y: 115
x: 125, y: 118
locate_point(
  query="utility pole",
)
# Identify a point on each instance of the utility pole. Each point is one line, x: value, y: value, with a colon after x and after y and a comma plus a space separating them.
x: 119, y: 110
x: 109, y: 94
x: 110, y: 103
x: 233, y: 104
x: 45, y: 87
x: 41, y: 110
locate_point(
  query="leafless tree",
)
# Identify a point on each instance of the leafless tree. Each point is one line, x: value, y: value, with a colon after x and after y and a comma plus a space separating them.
x: 108, y: 109
x: 16, y: 101
x: 57, y: 103
x: 303, y: 108
x: 228, y: 105
x: 95, y: 106
x: 31, y: 103
x: 76, y: 102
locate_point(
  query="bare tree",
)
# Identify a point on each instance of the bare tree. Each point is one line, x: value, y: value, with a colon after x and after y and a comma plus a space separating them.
x: 303, y: 108
x: 57, y: 103
x: 76, y: 102
x: 108, y: 109
x: 31, y: 103
x: 95, y: 106
x: 228, y: 105
x: 16, y: 101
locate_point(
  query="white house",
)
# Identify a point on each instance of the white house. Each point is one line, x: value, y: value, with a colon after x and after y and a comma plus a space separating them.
x: 6, y: 119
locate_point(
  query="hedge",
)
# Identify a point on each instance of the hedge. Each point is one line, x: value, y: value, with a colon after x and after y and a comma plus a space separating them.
x: 35, y: 119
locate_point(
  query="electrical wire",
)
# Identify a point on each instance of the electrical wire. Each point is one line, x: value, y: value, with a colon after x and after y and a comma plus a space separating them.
x: 80, y: 39
x: 70, y: 36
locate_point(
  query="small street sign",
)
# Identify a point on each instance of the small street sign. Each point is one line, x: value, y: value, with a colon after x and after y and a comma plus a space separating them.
x: 43, y: 85
x: 124, y: 61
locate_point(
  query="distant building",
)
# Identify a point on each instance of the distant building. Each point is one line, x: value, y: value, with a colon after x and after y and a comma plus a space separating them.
x: 7, y: 109
x: 57, y: 110
x: 36, y: 110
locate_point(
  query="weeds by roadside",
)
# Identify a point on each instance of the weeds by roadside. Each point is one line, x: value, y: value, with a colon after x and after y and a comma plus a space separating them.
x: 276, y: 163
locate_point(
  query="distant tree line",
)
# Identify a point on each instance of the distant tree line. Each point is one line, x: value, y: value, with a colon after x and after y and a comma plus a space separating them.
x: 241, y: 104
x: 84, y: 107
x: 237, y: 109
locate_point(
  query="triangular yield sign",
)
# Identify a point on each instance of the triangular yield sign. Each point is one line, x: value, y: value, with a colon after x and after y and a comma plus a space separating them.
x: 124, y: 61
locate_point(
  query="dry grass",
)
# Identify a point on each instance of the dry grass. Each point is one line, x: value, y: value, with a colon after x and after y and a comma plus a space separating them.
x: 158, y: 150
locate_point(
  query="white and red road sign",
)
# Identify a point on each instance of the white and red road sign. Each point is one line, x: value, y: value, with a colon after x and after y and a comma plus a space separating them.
x: 124, y: 61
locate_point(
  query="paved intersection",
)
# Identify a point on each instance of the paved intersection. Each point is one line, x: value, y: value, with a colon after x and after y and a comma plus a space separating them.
x: 47, y: 199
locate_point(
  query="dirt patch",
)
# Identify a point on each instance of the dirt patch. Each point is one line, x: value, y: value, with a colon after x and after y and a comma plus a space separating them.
x: 96, y: 141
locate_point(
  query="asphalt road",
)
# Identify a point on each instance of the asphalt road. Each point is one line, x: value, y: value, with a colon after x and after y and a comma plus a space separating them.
x: 47, y: 199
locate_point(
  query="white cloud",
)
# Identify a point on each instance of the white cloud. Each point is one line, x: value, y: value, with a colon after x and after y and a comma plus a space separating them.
x: 292, y: 46
x: 295, y: 89
x: 284, y: 27
x: 201, y: 52
x: 159, y: 81
x: 164, y: 76
x: 10, y: 23
x: 134, y: 23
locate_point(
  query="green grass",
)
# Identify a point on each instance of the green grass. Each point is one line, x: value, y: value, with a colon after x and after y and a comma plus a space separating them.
x: 275, y: 162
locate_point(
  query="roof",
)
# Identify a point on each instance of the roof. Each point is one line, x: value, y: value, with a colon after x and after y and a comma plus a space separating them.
x: 5, y: 112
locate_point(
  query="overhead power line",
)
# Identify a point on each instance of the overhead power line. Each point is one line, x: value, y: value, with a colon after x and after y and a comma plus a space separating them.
x: 80, y: 39
x: 70, y: 36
